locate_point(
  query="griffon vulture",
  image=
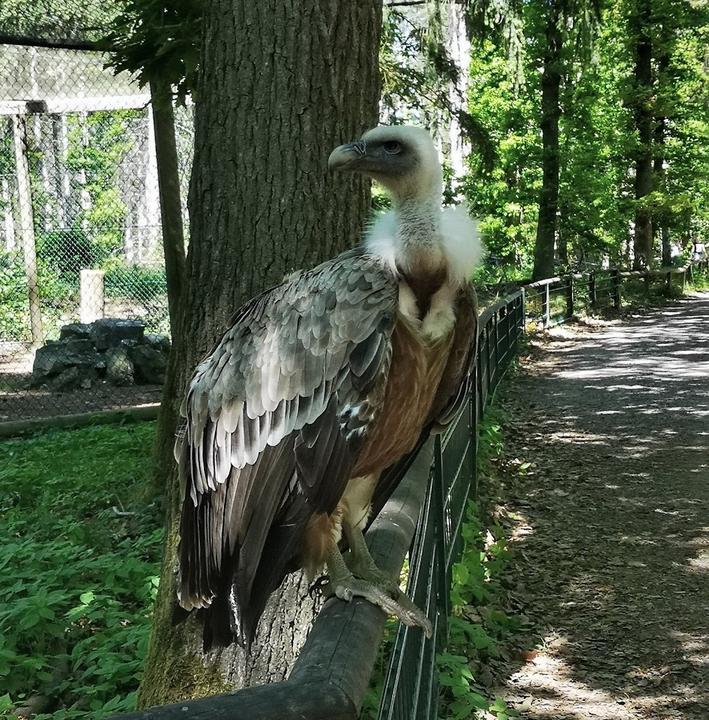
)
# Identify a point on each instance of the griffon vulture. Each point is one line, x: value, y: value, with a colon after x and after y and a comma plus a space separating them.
x: 317, y: 390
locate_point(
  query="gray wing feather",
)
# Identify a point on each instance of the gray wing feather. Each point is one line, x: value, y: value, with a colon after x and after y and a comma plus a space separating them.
x: 267, y: 428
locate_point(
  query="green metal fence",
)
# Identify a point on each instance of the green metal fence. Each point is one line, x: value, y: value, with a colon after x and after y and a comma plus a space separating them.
x: 554, y: 300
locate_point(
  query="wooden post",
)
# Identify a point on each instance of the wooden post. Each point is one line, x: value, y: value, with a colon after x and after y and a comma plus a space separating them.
x: 173, y: 240
x: 615, y: 282
x: 92, y: 295
x: 24, y: 200
x: 546, y: 307
x: 592, y: 297
x: 570, y: 298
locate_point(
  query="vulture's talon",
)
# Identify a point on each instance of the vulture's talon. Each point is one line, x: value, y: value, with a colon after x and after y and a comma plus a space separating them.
x: 318, y: 585
x: 390, y: 599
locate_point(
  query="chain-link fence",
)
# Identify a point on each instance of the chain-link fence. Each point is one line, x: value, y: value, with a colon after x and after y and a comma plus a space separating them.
x: 84, y: 319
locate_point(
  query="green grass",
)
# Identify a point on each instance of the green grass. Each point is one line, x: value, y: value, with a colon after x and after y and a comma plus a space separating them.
x: 700, y: 282
x: 78, y: 578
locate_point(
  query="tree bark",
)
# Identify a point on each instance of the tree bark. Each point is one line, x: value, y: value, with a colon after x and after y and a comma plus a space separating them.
x: 661, y: 220
x: 29, y: 251
x: 549, y: 198
x: 643, y: 112
x: 280, y: 84
x: 173, y: 239
x: 664, y: 83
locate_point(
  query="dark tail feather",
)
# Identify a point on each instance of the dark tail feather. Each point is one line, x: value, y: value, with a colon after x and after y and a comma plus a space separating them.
x: 218, y: 629
x: 235, y: 618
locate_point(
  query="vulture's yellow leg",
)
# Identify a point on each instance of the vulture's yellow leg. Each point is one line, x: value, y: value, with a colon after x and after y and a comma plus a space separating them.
x: 364, y: 579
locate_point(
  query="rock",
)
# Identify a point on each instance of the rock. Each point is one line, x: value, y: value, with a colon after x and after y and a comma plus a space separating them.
x: 119, y: 367
x: 150, y: 364
x: 72, y: 378
x: 109, y: 332
x: 78, y: 331
x: 157, y: 341
x: 55, y: 357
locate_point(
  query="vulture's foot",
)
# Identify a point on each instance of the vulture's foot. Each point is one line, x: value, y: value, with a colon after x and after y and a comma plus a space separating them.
x: 389, y: 598
x: 359, y: 576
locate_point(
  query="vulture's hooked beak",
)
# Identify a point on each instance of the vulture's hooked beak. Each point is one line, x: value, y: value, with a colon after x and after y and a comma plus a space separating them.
x: 347, y: 157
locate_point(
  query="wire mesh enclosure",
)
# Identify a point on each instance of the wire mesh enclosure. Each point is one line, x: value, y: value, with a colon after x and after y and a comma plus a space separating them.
x: 84, y: 319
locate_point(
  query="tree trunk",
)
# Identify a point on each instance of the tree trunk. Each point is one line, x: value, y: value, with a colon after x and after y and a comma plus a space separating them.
x: 661, y: 220
x: 24, y: 201
x: 280, y: 85
x: 549, y: 198
x: 643, y: 122
x: 666, y: 246
x: 173, y: 239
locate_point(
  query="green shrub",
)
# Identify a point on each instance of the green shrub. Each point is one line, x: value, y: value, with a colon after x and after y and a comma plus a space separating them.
x: 57, y: 295
x: 79, y: 580
x: 135, y: 282
x: 66, y: 251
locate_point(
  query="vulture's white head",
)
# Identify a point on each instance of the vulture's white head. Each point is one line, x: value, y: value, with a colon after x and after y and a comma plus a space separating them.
x: 416, y: 237
x: 400, y: 157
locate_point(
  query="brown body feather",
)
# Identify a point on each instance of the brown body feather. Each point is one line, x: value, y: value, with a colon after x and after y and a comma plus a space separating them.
x: 423, y: 378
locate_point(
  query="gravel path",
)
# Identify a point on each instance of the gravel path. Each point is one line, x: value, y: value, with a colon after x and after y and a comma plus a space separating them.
x: 612, y: 537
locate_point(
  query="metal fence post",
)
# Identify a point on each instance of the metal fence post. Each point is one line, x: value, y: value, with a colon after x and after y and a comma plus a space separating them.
x: 439, y: 496
x: 570, y: 298
x: 487, y: 357
x: 615, y: 282
x: 592, y: 299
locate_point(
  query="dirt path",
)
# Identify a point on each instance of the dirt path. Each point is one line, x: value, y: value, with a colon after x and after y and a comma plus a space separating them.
x: 612, y: 545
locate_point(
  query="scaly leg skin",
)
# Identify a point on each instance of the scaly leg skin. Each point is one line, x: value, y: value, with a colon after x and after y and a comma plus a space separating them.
x: 370, y: 582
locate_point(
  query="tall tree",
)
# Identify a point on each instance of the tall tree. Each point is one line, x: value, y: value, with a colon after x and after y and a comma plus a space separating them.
x: 568, y: 27
x: 551, y: 110
x: 640, y: 32
x: 279, y: 85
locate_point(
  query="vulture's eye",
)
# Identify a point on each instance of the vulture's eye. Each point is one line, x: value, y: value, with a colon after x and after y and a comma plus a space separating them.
x: 392, y: 147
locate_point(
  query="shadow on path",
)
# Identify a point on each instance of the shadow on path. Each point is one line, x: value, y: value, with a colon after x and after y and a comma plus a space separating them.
x: 613, y: 550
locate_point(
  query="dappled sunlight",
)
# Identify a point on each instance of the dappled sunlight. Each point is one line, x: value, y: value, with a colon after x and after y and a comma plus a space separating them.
x: 695, y: 647
x: 574, y: 437
x: 614, y: 555
x: 548, y: 682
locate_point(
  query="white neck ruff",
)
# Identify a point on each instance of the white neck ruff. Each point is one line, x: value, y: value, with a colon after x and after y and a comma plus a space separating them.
x: 458, y: 237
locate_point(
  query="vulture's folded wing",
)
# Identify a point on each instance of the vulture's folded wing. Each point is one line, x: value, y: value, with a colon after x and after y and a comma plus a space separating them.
x: 451, y: 398
x: 275, y: 417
